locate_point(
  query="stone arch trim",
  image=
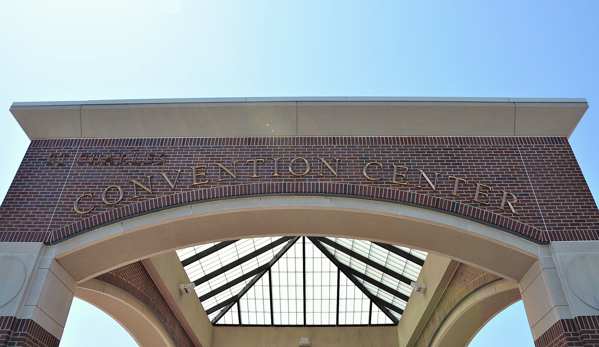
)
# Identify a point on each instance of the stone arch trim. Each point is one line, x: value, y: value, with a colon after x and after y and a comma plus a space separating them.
x: 137, y: 294
x: 111, y: 246
x: 130, y: 313
x: 448, y: 206
x: 473, y: 312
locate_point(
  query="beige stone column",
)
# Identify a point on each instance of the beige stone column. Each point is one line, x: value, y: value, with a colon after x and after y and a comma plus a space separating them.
x: 561, y: 294
x: 35, y: 295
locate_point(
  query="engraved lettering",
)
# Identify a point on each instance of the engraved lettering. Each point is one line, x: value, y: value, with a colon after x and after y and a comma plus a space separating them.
x: 78, y: 200
x: 149, y: 159
x: 455, y: 185
x: 50, y: 161
x: 123, y: 160
x: 255, y: 166
x: 81, y: 159
x: 422, y: 174
x: 62, y: 158
x: 197, y: 174
x: 105, y: 193
x: 365, y: 171
x: 402, y: 175
x: 324, y: 163
x: 108, y: 160
x: 276, y: 174
x: 137, y: 184
x: 168, y: 180
x: 135, y: 160
x: 509, y: 203
x: 223, y: 168
x: 162, y: 158
x: 305, y: 162
x: 479, y: 192
x: 95, y: 160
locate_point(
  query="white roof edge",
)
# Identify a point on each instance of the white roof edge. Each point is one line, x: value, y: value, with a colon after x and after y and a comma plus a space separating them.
x: 298, y: 99
x: 300, y: 116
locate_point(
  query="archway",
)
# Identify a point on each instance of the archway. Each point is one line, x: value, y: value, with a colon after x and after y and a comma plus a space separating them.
x: 100, y: 250
x: 106, y: 248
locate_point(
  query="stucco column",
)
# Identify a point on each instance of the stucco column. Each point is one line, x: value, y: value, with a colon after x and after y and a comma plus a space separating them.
x: 561, y: 295
x: 35, y: 296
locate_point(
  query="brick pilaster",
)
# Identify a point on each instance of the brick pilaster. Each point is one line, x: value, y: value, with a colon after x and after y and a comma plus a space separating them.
x: 24, y: 333
x: 577, y: 332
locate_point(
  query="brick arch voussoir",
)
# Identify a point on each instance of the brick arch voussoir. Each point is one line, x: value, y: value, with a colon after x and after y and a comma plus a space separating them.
x: 453, y: 207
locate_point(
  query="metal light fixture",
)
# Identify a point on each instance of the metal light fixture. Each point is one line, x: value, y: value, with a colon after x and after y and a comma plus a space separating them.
x: 419, y: 288
x: 304, y: 342
x: 186, y: 288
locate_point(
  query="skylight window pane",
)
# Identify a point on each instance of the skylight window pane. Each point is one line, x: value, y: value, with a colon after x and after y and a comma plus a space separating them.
x: 288, y: 288
x: 321, y: 302
x: 353, y: 304
x: 390, y: 281
x: 378, y: 292
x: 399, y: 303
x: 374, y: 273
x: 378, y: 317
x: 361, y: 248
x: 405, y: 289
x: 185, y: 253
x: 229, y: 318
x: 420, y: 254
x: 255, y: 304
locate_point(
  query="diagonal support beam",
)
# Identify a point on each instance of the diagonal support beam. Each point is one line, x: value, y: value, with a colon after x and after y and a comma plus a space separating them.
x: 365, y: 260
x: 241, y: 260
x: 377, y: 301
x: 234, y: 282
x: 400, y: 252
x: 376, y: 283
x: 207, y: 252
x: 254, y: 280
x: 230, y: 301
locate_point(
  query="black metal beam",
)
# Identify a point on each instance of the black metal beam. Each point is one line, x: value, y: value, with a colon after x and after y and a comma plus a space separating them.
x: 233, y: 282
x: 241, y: 260
x: 400, y: 252
x: 272, y: 306
x: 365, y: 260
x: 376, y: 283
x: 207, y: 252
x: 388, y: 305
x: 220, y: 305
x: 254, y: 280
x: 338, y: 294
x: 379, y: 302
x: 304, y: 276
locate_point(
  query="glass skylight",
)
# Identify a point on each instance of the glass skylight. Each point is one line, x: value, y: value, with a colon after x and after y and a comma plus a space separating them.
x: 302, y: 281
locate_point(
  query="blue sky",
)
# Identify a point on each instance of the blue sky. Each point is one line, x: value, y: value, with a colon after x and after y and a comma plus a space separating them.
x: 113, y: 49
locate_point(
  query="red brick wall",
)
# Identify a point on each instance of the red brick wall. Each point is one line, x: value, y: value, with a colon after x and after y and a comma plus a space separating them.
x: 24, y: 333
x: 554, y: 200
x: 576, y: 332
x: 466, y: 279
x: 135, y: 279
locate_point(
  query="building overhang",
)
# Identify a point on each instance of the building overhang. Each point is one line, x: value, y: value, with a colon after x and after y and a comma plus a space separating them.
x: 310, y: 116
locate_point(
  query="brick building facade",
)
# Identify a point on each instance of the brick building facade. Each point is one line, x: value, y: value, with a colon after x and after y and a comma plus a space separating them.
x: 505, y: 165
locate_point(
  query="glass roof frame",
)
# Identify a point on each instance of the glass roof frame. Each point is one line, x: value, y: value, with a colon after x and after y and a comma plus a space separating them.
x: 381, y: 272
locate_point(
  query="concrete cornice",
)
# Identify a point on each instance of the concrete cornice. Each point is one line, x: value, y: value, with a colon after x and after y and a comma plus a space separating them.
x: 300, y: 116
